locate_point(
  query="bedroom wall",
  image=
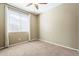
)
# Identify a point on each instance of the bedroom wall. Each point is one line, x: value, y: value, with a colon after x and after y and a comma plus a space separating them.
x: 16, y: 37
x: 2, y: 25
x: 59, y: 25
x: 78, y: 25
x: 34, y: 27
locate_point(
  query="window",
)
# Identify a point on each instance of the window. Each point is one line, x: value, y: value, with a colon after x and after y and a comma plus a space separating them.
x: 17, y: 21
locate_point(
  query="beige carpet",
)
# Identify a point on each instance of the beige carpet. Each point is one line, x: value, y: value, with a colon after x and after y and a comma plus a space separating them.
x: 37, y: 48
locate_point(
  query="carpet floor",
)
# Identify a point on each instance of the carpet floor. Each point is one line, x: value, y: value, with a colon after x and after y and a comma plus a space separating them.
x: 37, y: 48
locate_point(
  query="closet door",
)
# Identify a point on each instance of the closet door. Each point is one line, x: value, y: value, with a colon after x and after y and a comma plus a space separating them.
x: 18, y: 26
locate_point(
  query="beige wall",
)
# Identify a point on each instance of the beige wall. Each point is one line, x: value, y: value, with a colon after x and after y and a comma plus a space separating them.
x: 59, y: 25
x: 78, y: 26
x: 2, y: 25
x: 16, y: 37
x: 34, y: 27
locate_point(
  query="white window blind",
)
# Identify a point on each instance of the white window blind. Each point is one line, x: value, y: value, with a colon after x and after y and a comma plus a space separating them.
x: 17, y: 21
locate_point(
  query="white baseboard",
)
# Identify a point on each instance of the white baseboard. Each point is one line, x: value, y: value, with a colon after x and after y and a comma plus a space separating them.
x: 59, y: 45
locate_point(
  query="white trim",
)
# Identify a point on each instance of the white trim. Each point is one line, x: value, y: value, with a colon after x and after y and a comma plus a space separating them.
x: 6, y: 28
x: 29, y: 27
x: 59, y: 45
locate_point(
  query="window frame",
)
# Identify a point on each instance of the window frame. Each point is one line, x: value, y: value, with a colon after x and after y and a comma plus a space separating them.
x: 20, y: 25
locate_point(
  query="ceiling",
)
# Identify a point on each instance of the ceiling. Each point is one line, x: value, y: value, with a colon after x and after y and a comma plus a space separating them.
x: 32, y: 9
